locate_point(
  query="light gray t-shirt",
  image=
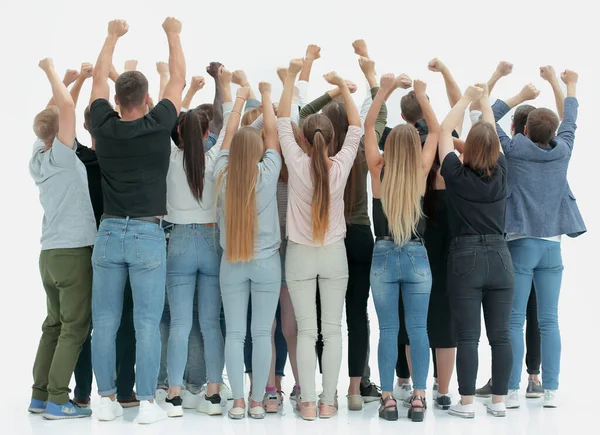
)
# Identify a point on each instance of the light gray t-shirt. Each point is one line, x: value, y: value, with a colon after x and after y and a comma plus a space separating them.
x: 268, y: 238
x: 68, y: 215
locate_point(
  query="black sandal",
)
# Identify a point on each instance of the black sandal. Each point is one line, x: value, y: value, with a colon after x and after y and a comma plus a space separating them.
x: 389, y: 412
x: 417, y: 412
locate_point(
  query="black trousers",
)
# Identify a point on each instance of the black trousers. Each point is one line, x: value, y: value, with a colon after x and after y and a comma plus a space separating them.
x: 480, y: 272
x: 533, y: 357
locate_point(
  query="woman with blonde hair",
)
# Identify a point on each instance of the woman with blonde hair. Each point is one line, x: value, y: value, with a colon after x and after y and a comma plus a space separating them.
x: 315, y: 230
x: 247, y: 172
x: 400, y: 262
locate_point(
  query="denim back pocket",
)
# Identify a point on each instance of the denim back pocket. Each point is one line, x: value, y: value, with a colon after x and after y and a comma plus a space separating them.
x: 213, y: 242
x: 420, y: 263
x: 506, y: 260
x: 99, y: 251
x: 379, y: 262
x: 178, y: 245
x: 150, y: 250
x: 463, y: 263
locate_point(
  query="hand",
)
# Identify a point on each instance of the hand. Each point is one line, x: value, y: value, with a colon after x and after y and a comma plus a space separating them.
x: 275, y: 107
x: 504, y: 68
x: 486, y: 92
x: 366, y: 65
x: 239, y: 78
x: 313, y: 52
x: 162, y: 68
x: 198, y: 83
x: 172, y: 25
x: 225, y: 76
x: 213, y: 69
x: 264, y: 88
x: 387, y: 82
x: 351, y: 86
x: 117, y: 28
x: 295, y: 66
x: 420, y: 87
x: 474, y: 93
x: 569, y: 77
x: 47, y: 65
x: 547, y: 73
x: 403, y: 81
x: 436, y: 65
x: 70, y: 76
x: 131, y: 65
x: 87, y: 69
x: 282, y: 72
x: 243, y: 92
x: 334, y: 79
x: 529, y: 92
x: 360, y: 47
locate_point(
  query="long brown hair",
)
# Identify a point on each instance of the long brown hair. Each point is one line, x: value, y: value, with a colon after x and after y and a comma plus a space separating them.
x: 403, y: 182
x: 241, y: 219
x: 336, y: 112
x: 318, y: 132
x: 192, y: 128
x: 482, y: 148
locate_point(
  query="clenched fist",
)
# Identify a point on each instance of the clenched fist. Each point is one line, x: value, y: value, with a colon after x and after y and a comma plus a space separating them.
x: 313, y: 52
x: 224, y: 76
x: 213, y: 69
x: 87, y: 69
x: 547, y: 73
x: 366, y: 65
x: 351, y: 86
x: 117, y: 28
x: 436, y: 65
x: 474, y: 93
x: 334, y: 79
x: 569, y: 77
x: 420, y: 87
x: 296, y: 66
x: 281, y: 73
x: 529, y: 92
x: 264, y: 88
x: 131, y: 65
x: 198, y: 83
x: 387, y: 82
x: 162, y: 67
x: 243, y: 92
x: 70, y: 76
x: 486, y: 93
x: 172, y: 25
x: 403, y: 81
x: 48, y: 65
x: 360, y: 47
x: 504, y: 68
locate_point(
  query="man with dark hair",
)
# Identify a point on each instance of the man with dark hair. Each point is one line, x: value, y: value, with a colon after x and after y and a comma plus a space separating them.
x: 541, y: 126
x: 133, y: 150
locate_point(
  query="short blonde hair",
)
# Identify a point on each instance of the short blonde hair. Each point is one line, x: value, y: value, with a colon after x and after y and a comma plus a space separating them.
x: 45, y: 124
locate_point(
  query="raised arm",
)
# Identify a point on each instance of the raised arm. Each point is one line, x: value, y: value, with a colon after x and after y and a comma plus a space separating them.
x: 367, y: 65
x: 64, y: 102
x: 240, y: 79
x: 317, y: 104
x: 270, y: 121
x: 70, y: 77
x: 502, y: 70
x: 452, y: 90
x: 113, y: 74
x: 100, y: 89
x: 285, y: 103
x: 197, y: 83
x: 313, y: 52
x: 446, y: 144
x: 527, y: 93
x: 431, y: 143
x: 87, y: 69
x: 568, y: 126
x: 233, y: 123
x: 547, y: 73
x: 403, y: 81
x: 162, y: 68
x: 174, y: 87
x: 351, y: 111
x: 216, y: 124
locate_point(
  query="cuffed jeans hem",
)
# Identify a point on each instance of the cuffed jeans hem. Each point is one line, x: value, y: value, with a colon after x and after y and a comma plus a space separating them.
x: 107, y: 393
x: 218, y: 381
x: 138, y: 397
x: 420, y: 387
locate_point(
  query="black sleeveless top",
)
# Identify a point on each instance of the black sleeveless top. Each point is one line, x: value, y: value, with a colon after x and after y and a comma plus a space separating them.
x: 380, y: 222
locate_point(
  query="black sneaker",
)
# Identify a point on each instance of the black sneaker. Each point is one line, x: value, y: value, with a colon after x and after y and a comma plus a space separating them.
x: 485, y: 391
x: 370, y: 392
x: 173, y: 406
x: 417, y: 413
x: 389, y: 412
x: 443, y: 401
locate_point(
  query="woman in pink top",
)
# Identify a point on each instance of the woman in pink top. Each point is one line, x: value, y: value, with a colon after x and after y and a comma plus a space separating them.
x: 315, y: 230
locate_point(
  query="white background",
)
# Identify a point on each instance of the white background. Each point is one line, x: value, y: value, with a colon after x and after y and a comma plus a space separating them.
x: 470, y: 37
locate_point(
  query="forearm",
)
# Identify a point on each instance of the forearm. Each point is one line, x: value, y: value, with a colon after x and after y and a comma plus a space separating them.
x: 285, y: 104
x: 374, y: 110
x: 454, y: 116
x: 571, y: 90
x: 351, y: 110
x: 452, y: 90
x: 428, y: 113
x: 216, y: 124
x: 487, y: 114
x: 164, y: 79
x: 270, y: 122
x: 514, y: 101
x: 60, y: 94
x: 105, y: 59
x: 189, y: 97
x: 76, y: 89
x: 492, y: 81
x: 177, y: 68
x: 306, y: 68
x: 234, y: 118
x: 113, y: 74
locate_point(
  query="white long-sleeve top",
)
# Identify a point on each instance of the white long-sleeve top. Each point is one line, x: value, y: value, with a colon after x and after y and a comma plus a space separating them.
x: 182, y: 207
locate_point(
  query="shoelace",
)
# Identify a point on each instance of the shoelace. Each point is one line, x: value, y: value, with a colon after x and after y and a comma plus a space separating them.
x: 373, y: 385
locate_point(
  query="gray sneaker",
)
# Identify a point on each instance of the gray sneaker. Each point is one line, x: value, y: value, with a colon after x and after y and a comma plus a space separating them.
x: 534, y: 391
x: 485, y: 391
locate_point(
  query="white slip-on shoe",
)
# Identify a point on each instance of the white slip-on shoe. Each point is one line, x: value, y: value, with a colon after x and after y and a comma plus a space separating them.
x: 108, y: 410
x: 463, y: 411
x: 150, y: 413
x: 173, y: 407
x: 496, y: 409
x: 550, y: 399
x: 512, y: 399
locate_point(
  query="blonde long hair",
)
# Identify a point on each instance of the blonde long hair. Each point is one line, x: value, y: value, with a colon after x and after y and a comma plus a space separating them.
x: 241, y: 218
x: 403, y: 182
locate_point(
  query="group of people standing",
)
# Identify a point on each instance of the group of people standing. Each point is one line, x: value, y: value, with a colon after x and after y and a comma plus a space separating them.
x: 254, y: 216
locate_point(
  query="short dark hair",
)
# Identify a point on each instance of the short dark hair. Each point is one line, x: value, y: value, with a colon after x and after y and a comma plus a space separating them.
x: 208, y: 108
x: 131, y: 89
x: 520, y: 118
x: 541, y: 126
x: 410, y: 107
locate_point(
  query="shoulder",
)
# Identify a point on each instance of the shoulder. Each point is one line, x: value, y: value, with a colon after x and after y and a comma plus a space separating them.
x: 164, y: 113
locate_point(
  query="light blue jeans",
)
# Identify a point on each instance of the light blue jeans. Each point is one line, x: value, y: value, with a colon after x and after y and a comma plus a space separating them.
x: 137, y: 248
x: 403, y: 269
x: 262, y: 280
x: 541, y: 261
x: 193, y: 262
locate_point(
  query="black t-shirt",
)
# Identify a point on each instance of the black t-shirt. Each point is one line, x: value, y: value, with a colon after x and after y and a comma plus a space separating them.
x: 134, y: 158
x: 90, y: 160
x: 476, y: 203
x: 421, y: 127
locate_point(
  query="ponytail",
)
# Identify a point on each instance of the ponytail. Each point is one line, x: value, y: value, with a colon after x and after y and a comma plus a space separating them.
x: 192, y: 128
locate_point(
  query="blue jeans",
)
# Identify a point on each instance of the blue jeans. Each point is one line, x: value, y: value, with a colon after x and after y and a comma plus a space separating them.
x: 137, y: 248
x: 540, y: 261
x: 403, y: 269
x: 262, y: 280
x: 194, y: 257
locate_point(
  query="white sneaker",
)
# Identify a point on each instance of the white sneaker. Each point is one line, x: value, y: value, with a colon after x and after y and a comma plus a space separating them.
x: 225, y: 391
x: 550, y: 399
x: 173, y: 407
x: 463, y: 411
x: 512, y: 399
x: 190, y: 400
x: 160, y: 395
x: 108, y: 409
x: 150, y: 413
x: 402, y: 392
x: 497, y: 409
x: 211, y: 405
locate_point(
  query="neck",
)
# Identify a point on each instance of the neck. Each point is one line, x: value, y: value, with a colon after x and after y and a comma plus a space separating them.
x: 133, y: 114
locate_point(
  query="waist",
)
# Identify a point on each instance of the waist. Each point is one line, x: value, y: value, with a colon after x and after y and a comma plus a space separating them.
x: 413, y: 239
x: 479, y: 239
x: 150, y: 219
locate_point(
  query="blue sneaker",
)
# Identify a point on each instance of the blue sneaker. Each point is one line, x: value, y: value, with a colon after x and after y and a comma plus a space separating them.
x: 37, y: 406
x: 66, y: 411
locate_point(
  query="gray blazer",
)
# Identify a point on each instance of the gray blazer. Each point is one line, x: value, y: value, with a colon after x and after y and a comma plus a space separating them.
x: 539, y: 201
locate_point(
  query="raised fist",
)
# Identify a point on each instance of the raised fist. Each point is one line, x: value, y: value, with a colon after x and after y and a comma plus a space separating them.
x: 118, y: 28
x: 403, y: 81
x: 334, y: 79
x: 264, y: 88
x: 172, y: 25
x: 239, y: 77
x: 162, y: 67
x: 213, y: 69
x: 420, y: 87
x: 504, y: 68
x: 529, y: 92
x: 569, y: 77
x: 281, y: 73
x: 351, y: 86
x: 387, y: 82
x: 243, y: 92
x: 296, y: 66
x: 360, y: 47
x: 47, y: 65
x: 547, y: 72
x: 225, y: 76
x: 131, y: 65
x: 436, y: 65
x: 474, y: 93
x: 198, y: 83
x: 70, y: 76
x: 87, y: 69
x: 313, y: 52
x: 366, y: 65
x: 486, y: 93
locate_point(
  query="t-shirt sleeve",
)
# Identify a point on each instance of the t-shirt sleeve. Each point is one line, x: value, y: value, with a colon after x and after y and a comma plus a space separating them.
x: 271, y: 166
x: 451, y: 168
x: 502, y: 164
x: 61, y: 155
x: 165, y: 114
x: 220, y: 164
x: 100, y: 112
